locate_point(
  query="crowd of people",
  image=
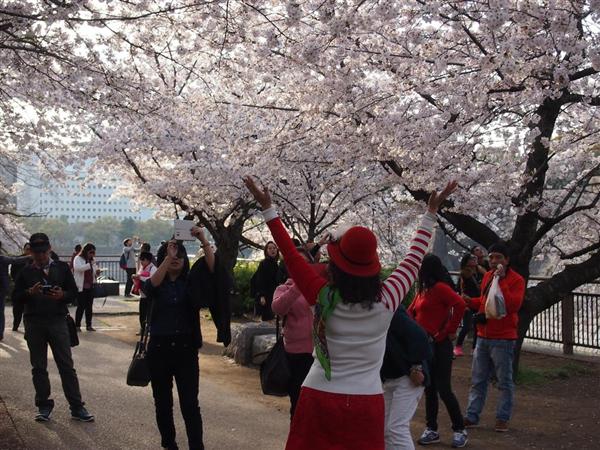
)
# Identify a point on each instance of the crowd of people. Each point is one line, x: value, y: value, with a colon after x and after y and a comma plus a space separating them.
x: 359, y: 360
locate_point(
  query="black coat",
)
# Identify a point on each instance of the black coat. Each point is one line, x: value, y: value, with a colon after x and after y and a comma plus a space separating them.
x: 266, y: 278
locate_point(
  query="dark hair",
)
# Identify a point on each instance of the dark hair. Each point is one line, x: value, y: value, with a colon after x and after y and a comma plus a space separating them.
x: 88, y: 247
x: 433, y: 271
x: 53, y: 256
x: 474, y: 247
x: 77, y: 248
x: 265, y: 250
x: 181, y: 251
x: 125, y: 241
x: 465, y: 259
x: 146, y: 256
x: 145, y: 247
x: 500, y: 247
x: 354, y: 289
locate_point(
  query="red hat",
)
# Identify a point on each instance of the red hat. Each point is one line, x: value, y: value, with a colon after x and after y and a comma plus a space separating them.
x: 356, y: 252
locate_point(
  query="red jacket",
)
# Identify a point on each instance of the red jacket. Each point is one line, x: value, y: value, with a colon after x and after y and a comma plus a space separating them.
x: 513, y: 289
x: 438, y: 310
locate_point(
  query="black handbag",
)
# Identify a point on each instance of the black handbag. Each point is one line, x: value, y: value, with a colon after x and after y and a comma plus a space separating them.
x: 99, y: 290
x: 72, y: 331
x: 138, y: 373
x: 275, y: 374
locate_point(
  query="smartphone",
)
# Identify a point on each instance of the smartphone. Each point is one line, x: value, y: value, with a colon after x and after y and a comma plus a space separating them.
x: 183, y: 230
x: 47, y: 288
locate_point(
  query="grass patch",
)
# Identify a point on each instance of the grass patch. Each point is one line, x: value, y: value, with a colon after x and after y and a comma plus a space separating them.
x: 529, y: 376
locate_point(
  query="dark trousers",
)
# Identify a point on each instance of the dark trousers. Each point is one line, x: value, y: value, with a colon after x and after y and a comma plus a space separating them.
x: 467, y: 327
x: 85, y: 300
x: 39, y: 333
x: 129, y: 282
x: 144, y: 304
x: 299, y: 366
x: 168, y: 358
x: 441, y: 374
x: 18, y: 308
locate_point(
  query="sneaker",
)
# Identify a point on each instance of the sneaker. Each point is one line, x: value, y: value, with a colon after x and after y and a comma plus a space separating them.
x: 82, y: 415
x: 429, y: 437
x: 90, y: 328
x: 458, y: 351
x: 469, y: 424
x: 43, y: 414
x: 459, y: 439
x: 501, y: 426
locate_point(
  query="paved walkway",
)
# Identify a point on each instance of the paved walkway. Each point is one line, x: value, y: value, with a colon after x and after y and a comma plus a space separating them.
x: 124, y: 414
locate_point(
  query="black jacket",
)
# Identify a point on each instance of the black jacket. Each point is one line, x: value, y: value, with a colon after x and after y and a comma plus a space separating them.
x: 59, y: 275
x: 266, y: 278
x: 203, y: 289
x: 407, y: 344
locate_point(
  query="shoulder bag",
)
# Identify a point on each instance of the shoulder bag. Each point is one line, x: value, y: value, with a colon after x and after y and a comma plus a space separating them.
x: 275, y: 373
x: 138, y: 373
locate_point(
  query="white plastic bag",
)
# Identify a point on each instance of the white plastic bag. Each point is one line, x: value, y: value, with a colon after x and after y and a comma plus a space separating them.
x: 495, y: 306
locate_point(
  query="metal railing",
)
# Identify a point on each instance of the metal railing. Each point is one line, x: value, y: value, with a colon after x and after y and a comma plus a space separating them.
x: 110, y: 264
x: 573, y: 322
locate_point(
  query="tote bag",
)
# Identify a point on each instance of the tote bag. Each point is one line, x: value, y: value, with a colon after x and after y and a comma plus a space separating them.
x: 275, y: 371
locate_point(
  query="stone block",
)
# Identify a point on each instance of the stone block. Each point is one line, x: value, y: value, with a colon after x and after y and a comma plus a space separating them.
x: 242, y: 339
x: 261, y: 347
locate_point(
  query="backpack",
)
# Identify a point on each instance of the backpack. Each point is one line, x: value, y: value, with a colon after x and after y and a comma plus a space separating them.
x: 123, y: 261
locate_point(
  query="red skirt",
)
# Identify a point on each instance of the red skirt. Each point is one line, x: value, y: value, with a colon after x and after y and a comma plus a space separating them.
x: 328, y: 421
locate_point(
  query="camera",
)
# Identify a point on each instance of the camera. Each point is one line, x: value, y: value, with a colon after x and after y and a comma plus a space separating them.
x: 480, y: 319
x: 47, y: 289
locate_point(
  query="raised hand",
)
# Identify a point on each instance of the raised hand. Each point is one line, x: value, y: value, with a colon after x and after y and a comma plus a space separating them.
x: 262, y: 196
x: 198, y: 232
x: 436, y: 200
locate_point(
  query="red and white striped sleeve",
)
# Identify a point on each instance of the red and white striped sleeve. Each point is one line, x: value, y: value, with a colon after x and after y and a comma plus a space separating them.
x: 397, y: 285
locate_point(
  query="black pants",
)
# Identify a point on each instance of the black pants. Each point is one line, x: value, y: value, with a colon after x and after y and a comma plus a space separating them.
x: 129, y: 282
x: 85, y: 300
x: 144, y: 304
x: 168, y: 358
x: 299, y: 366
x: 18, y: 308
x: 39, y: 333
x: 441, y: 374
x: 467, y: 326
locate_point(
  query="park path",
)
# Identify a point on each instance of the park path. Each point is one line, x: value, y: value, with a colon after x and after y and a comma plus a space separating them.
x: 124, y: 414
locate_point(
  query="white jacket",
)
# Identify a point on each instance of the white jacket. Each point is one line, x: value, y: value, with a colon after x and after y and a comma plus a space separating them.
x: 79, y: 269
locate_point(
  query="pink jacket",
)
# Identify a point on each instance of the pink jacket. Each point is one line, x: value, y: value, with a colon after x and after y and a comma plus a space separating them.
x: 289, y: 302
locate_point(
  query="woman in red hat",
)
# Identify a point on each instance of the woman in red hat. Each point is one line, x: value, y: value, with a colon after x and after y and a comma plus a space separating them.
x: 341, y: 403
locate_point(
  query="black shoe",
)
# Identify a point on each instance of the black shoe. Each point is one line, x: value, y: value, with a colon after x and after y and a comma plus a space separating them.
x: 128, y: 295
x: 44, y: 412
x: 90, y: 328
x: 82, y: 415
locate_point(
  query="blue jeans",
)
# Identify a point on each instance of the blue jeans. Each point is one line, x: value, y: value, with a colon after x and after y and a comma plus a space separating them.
x: 490, y: 355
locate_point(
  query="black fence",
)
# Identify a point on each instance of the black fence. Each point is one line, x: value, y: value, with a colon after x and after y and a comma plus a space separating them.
x: 573, y: 322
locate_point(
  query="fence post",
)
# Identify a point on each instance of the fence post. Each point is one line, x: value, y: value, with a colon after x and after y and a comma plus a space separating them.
x: 567, y: 307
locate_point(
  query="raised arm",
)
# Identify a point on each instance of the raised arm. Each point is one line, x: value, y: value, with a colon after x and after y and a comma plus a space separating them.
x: 305, y: 277
x: 209, y: 254
x: 397, y: 285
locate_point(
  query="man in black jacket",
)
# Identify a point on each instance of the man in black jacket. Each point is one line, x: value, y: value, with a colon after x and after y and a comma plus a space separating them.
x: 404, y: 374
x: 46, y: 287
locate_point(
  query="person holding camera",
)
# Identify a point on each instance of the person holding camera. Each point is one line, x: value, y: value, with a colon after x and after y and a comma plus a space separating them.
x: 85, y: 272
x: 468, y: 285
x: 177, y: 292
x: 438, y: 309
x: 496, y: 340
x: 46, y: 287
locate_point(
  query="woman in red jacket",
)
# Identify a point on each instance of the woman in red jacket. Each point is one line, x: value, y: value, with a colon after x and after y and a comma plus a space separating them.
x: 438, y: 309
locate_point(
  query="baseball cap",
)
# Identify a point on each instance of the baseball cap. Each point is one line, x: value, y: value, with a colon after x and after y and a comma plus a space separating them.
x: 39, y: 242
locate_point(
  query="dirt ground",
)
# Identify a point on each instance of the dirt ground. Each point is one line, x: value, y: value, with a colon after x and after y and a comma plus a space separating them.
x: 560, y: 411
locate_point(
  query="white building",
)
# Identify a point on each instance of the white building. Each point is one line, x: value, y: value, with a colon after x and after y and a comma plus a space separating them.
x: 78, y: 199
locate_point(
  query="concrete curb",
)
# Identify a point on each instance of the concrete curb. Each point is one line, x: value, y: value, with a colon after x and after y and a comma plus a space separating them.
x: 9, y: 435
